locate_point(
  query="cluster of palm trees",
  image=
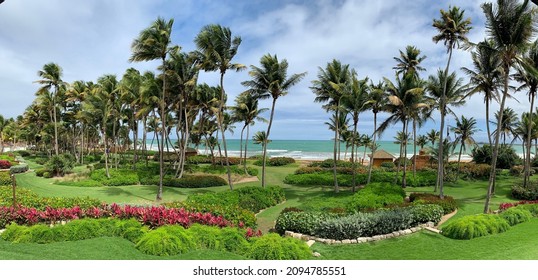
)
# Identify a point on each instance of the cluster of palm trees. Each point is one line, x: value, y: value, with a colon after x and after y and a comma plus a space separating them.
x: 507, y: 56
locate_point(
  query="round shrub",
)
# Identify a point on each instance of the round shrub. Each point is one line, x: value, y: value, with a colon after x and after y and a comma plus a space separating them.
x: 233, y: 240
x: 14, y: 233
x: 87, y: 229
x: 5, y: 164
x: 166, y: 241
x: 529, y: 193
x: 274, y: 247
x: 61, y: 164
x: 516, y: 215
x: 506, y: 158
x: 205, y: 237
x: 39, y: 172
x: 48, y: 175
x: 276, y: 161
x: 130, y: 229
x: 427, y: 213
x: 448, y: 203
x: 377, y: 195
x: 301, y: 222
x: 474, y: 226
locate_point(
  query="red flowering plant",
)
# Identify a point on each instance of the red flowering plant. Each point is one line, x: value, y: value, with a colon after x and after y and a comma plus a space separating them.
x: 506, y: 205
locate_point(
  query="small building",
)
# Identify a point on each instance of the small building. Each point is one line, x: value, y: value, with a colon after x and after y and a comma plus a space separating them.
x: 381, y: 156
x: 422, y: 160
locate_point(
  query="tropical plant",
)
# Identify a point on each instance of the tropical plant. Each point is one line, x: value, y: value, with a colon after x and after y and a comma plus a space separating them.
x: 377, y: 99
x: 508, y: 124
x: 464, y: 130
x: 271, y: 80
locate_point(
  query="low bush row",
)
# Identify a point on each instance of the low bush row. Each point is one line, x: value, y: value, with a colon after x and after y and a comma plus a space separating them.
x: 219, y: 169
x: 377, y: 195
x: 448, y: 203
x: 275, y: 161
x: 469, y: 227
x: 150, y: 216
x: 325, y: 177
x: 359, y: 224
x: 167, y: 240
x: 525, y: 193
x: 233, y: 213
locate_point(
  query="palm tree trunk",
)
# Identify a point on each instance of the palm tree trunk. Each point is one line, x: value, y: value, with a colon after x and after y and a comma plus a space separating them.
x: 163, y: 133
x: 245, y: 156
x: 353, y: 158
x: 106, y: 151
x: 493, y: 173
x: 459, y: 161
x: 221, y: 127
x: 135, y: 142
x: 414, y: 148
x: 487, y: 124
x: 526, y: 173
x: 264, y: 158
x: 241, y: 145
x: 441, y: 170
x: 55, y: 121
x: 371, y: 163
x: 404, y: 178
x: 400, y: 157
x: 336, y: 187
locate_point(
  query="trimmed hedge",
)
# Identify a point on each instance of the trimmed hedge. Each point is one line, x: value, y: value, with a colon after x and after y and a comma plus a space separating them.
x: 469, y: 227
x: 27, y: 198
x: 303, y: 222
x: 311, y: 176
x: 448, y: 203
x: 187, y: 181
x: 20, y: 168
x: 378, y: 195
x: 276, y: 161
x: 529, y: 193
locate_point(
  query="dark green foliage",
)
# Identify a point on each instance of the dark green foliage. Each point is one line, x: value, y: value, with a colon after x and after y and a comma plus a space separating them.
x: 5, y: 178
x: 48, y: 174
x: 311, y: 177
x: 507, y: 156
x: 187, y: 181
x: 516, y: 215
x: 219, y: 169
x: 61, y: 164
x: 23, y: 153
x: 528, y: 193
x: 329, y: 163
x: 20, y: 168
x: 447, y: 203
x: 166, y: 241
x: 276, y: 161
x: 118, y: 177
x: 303, y: 222
x: 353, y: 226
x: 469, y: 227
x: 377, y: 195
x: 388, y: 165
x: 273, y: 247
x: 427, y: 213
x: 39, y: 172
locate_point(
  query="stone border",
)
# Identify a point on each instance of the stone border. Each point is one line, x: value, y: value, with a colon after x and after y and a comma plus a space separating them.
x: 359, y: 240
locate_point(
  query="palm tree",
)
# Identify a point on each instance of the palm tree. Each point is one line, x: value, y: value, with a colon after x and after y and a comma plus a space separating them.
x: 406, y: 96
x: 485, y: 78
x: 421, y: 141
x: 130, y: 88
x: 464, y: 130
x: 445, y: 92
x: 510, y: 25
x: 377, y: 99
x: 433, y: 136
x: 527, y: 75
x: 246, y: 110
x: 409, y: 62
x: 354, y: 101
x: 216, y: 49
x: 153, y: 43
x: 51, y: 78
x: 335, y: 73
x: 453, y: 29
x: 271, y: 80
x: 260, y: 138
x: 508, y: 124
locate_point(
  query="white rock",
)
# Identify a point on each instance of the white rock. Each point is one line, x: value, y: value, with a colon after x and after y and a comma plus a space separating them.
x: 316, y: 254
x: 353, y: 241
x: 346, y: 241
x: 310, y: 243
x: 288, y: 233
x: 396, y: 234
x: 408, y: 231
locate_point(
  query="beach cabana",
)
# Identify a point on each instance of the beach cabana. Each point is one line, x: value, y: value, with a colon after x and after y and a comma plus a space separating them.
x: 381, y: 156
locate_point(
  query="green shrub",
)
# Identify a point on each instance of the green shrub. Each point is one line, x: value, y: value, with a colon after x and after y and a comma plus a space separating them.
x: 196, y: 181
x: 20, y: 168
x: 41, y: 171
x: 276, y: 161
x: 118, y: 177
x: 23, y: 153
x: 232, y: 213
x: 506, y: 158
x: 377, y: 195
x: 233, y: 240
x: 273, y: 247
x: 198, y: 159
x: 15, y: 233
x: 130, y: 229
x: 528, y: 193
x: 5, y: 178
x: 48, y: 175
x: 206, y: 237
x: 532, y: 208
x: 166, y: 241
x: 427, y: 213
x: 388, y: 165
x: 448, y: 203
x: 329, y: 163
x: 28, y: 198
x: 87, y: 229
x: 516, y: 215
x: 302, y: 222
x: 61, y: 164
x: 469, y: 227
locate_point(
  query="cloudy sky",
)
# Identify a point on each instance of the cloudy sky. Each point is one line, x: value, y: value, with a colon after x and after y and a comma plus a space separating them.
x: 91, y: 38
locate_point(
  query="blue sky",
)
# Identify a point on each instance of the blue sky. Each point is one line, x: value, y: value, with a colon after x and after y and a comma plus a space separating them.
x: 91, y: 38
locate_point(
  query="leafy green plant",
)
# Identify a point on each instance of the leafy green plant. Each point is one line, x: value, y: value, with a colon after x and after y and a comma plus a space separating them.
x: 273, y: 247
x: 469, y: 227
x: 166, y: 241
x: 119, y: 177
x: 516, y: 215
x: 506, y: 158
x: 5, y: 178
x: 276, y: 161
x: 377, y: 195
x: 61, y: 164
x: 448, y: 203
x: 19, y: 168
x: 302, y: 222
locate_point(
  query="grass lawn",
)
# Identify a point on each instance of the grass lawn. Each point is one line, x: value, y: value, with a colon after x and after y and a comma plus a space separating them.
x: 517, y: 243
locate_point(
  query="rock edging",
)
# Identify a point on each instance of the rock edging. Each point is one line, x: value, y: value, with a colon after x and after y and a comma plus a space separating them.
x: 359, y: 240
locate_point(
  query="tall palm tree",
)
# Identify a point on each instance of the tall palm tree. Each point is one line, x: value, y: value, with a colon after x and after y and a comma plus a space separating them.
x: 409, y: 62
x: 246, y: 110
x: 433, y: 136
x: 130, y: 94
x: 485, y: 78
x: 452, y: 29
x: 421, y: 141
x: 216, y: 50
x: 51, y: 78
x: 335, y: 73
x: 527, y: 76
x: 154, y: 43
x: 377, y: 100
x: 271, y: 80
x: 509, y: 122
x: 355, y: 96
x: 405, y: 96
x: 464, y: 130
x: 445, y: 91
x: 511, y: 26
